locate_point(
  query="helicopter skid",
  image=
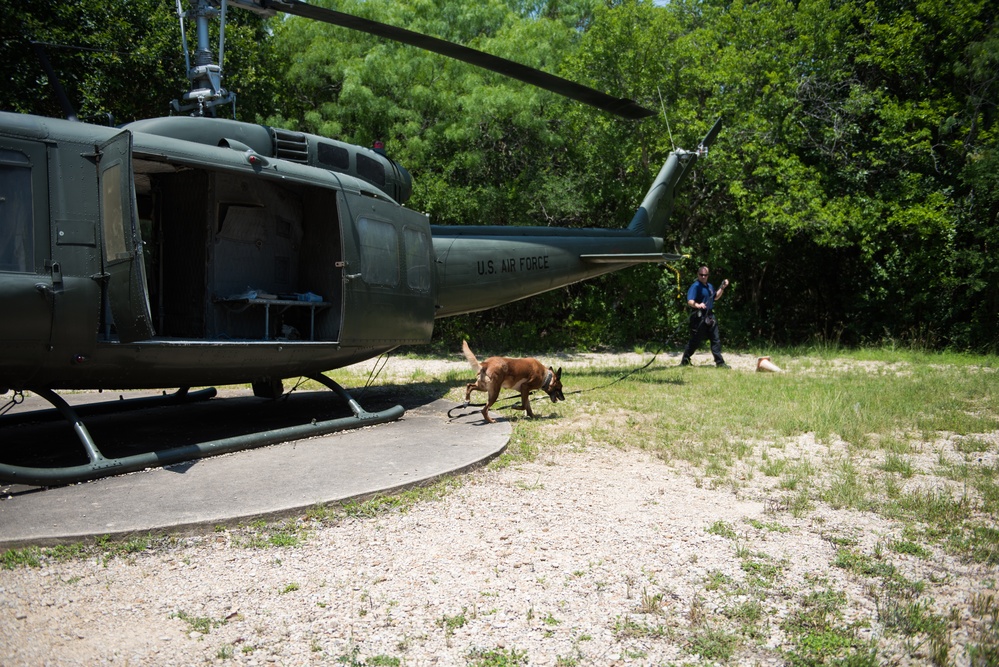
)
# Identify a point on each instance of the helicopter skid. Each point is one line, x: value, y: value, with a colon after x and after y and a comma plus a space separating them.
x: 99, y: 466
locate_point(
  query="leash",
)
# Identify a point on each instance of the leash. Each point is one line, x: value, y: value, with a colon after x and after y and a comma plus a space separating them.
x: 667, y: 340
x: 516, y: 397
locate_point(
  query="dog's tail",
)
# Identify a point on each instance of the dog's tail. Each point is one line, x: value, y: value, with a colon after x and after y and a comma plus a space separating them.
x: 467, y: 351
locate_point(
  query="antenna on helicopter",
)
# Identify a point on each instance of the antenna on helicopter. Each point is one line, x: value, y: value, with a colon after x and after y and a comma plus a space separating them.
x: 663, y: 105
x: 206, y: 91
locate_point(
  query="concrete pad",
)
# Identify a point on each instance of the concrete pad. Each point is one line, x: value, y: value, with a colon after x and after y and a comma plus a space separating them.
x: 269, y: 482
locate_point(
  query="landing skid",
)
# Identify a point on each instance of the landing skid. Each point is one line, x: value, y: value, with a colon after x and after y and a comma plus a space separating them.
x: 100, y: 466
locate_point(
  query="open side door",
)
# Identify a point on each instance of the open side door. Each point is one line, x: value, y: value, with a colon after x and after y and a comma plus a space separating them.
x: 121, y: 243
x: 390, y: 275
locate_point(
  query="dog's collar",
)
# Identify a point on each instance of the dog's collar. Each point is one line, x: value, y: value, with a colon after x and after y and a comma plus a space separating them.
x: 548, y: 380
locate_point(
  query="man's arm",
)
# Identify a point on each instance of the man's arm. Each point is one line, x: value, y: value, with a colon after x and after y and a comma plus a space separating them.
x: 721, y: 290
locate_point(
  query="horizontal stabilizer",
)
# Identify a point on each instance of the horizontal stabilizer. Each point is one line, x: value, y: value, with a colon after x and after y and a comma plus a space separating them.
x: 638, y: 258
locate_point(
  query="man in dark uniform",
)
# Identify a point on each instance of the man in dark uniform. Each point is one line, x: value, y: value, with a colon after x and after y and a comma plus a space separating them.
x: 701, y: 298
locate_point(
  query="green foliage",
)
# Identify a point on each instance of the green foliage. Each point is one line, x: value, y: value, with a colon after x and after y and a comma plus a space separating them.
x: 851, y: 198
x: 120, y: 58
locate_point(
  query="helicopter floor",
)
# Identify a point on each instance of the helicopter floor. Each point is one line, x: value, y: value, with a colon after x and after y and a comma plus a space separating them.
x: 269, y: 482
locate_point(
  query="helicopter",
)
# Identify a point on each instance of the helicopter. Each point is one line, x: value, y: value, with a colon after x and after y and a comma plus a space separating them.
x: 192, y: 250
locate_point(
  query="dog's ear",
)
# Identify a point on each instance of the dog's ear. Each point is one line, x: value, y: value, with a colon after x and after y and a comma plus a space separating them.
x: 558, y: 373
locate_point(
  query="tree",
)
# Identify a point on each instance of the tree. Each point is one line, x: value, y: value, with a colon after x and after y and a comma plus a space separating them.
x: 118, y: 58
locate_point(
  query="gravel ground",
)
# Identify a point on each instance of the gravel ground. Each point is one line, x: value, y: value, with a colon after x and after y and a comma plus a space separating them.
x: 586, y: 556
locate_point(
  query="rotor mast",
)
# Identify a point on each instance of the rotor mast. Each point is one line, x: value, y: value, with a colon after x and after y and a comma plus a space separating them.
x: 205, y: 75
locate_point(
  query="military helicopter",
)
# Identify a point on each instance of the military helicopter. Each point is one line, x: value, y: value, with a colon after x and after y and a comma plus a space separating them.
x: 191, y: 250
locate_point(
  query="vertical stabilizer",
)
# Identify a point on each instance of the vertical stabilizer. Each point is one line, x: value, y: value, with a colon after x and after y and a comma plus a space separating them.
x: 650, y: 218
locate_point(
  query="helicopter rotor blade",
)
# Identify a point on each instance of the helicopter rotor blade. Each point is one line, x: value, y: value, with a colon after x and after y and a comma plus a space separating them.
x: 619, y: 106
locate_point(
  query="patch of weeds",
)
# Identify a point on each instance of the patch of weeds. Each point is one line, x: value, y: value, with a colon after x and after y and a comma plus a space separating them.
x: 800, y: 504
x: 352, y: 659
x: 759, y: 571
x: 225, y: 652
x: 901, y: 465
x: 722, y: 529
x: 864, y: 565
x: 628, y: 628
x: 451, y: 623
x: 817, y: 638
x: 200, y: 624
x: 789, y: 481
x: 652, y: 603
x: 832, y: 647
x: 773, y: 467
x: 103, y: 547
x: 536, y: 485
x: 979, y: 542
x: 696, y: 615
x: 261, y: 535
x: 713, y: 644
x: 289, y: 588
x: 26, y: 557
x: 839, y: 540
x: 910, y: 549
x: 379, y: 505
x: 983, y: 649
x: 972, y: 445
x: 847, y: 489
x: 716, y: 580
x: 749, y: 611
x: 909, y: 617
x: 818, y: 611
x: 132, y: 545
x: 383, y: 661
x: 496, y: 657
x: 772, y: 526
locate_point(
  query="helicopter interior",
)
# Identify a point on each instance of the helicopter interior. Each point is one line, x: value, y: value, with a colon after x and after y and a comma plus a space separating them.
x: 229, y: 257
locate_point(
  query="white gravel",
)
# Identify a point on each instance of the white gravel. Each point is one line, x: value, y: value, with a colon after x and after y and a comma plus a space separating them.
x: 586, y: 556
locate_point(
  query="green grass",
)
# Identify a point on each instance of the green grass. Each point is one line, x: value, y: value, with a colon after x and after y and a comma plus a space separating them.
x: 838, y: 429
x: 869, y: 409
x: 904, y: 435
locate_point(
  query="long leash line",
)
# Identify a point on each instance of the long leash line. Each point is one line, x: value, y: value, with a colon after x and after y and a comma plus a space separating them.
x: 667, y: 340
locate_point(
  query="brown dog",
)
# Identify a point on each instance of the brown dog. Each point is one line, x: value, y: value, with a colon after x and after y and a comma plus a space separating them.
x: 497, y: 373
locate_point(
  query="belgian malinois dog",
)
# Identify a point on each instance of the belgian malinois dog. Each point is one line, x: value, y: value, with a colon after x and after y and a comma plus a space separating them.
x: 497, y: 373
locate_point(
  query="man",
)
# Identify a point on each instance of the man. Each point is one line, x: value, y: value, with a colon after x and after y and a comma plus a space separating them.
x: 701, y: 298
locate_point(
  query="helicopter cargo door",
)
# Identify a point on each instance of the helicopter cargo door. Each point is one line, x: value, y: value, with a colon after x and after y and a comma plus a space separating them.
x: 122, y: 245
x: 389, y: 275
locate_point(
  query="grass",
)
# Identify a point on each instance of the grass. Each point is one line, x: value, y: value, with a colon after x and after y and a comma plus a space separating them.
x: 900, y: 434
x: 907, y: 436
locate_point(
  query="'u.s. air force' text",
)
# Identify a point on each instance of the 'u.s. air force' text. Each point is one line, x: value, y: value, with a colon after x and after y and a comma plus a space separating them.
x: 532, y: 263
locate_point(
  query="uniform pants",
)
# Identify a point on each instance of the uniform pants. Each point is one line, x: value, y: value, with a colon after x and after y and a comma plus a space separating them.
x: 698, y: 332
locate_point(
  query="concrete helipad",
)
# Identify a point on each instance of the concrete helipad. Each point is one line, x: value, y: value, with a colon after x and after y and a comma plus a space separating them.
x: 268, y: 482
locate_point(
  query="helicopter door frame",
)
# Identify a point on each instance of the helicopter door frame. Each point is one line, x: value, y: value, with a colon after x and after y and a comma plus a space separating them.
x: 121, y: 244
x: 389, y: 284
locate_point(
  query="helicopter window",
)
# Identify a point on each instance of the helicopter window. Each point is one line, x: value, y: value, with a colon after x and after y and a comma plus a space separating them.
x: 379, y: 252
x: 370, y: 170
x: 114, y: 227
x: 417, y: 260
x: 334, y: 156
x: 16, y: 235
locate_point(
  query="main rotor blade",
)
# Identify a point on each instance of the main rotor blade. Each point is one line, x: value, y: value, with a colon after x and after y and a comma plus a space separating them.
x: 619, y: 106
